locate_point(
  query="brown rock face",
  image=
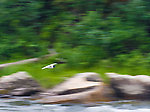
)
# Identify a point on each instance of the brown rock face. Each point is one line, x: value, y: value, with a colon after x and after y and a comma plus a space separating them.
x: 130, y: 87
x: 82, y: 88
x: 101, y: 93
x: 19, y: 84
x: 76, y: 84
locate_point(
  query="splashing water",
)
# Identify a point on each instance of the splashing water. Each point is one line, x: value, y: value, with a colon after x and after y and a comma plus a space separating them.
x: 22, y: 105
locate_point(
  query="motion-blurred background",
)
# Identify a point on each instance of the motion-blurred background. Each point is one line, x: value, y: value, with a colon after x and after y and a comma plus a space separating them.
x: 84, y: 32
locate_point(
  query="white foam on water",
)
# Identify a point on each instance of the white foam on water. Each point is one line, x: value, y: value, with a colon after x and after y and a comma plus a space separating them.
x: 113, y: 109
x: 18, y: 105
x: 98, y: 108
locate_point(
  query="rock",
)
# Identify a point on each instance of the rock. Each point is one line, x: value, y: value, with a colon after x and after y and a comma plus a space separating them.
x: 20, y: 84
x: 130, y: 87
x: 24, y: 91
x: 76, y: 84
x: 79, y: 89
x: 3, y: 93
x: 5, y: 96
x: 93, y: 78
x: 101, y: 93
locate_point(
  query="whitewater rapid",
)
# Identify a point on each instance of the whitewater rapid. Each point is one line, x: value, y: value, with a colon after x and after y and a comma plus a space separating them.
x: 22, y: 105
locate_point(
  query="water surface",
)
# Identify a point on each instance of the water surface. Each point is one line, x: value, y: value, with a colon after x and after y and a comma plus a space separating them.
x: 22, y: 105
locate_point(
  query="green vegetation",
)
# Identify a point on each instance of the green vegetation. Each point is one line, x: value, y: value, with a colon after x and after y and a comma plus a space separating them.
x: 50, y: 77
x: 97, y: 35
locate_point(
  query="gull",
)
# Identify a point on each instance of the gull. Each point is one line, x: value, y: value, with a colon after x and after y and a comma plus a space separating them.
x: 50, y: 66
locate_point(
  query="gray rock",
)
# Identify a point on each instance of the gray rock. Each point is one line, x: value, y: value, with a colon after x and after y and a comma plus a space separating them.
x: 24, y: 91
x: 79, y: 89
x: 130, y: 87
x: 19, y: 83
x: 101, y: 93
x: 78, y: 83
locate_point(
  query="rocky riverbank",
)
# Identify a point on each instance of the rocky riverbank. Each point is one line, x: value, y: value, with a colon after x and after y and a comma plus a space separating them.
x: 82, y: 88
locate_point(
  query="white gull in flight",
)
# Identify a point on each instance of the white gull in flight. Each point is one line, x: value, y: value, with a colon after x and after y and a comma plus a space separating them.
x: 50, y: 66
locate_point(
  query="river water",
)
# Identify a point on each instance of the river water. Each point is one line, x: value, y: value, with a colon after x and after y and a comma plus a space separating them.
x: 22, y: 105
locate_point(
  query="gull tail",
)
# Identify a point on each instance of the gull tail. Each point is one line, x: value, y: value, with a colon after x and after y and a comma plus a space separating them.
x: 43, y: 67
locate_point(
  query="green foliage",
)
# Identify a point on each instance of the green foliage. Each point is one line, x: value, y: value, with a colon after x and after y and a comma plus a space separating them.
x: 18, y: 37
x: 83, y: 32
x: 135, y: 62
x: 126, y: 38
x: 51, y: 77
x: 84, y: 41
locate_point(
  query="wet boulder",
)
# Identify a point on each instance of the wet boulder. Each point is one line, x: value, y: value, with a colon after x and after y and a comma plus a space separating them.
x: 78, y: 83
x: 19, y: 84
x: 82, y: 88
x: 99, y: 93
x: 130, y: 87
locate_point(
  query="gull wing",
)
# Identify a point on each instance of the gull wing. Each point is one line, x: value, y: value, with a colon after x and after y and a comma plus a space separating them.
x: 48, y: 66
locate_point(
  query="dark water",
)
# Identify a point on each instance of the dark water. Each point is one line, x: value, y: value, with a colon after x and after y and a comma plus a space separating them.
x: 22, y: 105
